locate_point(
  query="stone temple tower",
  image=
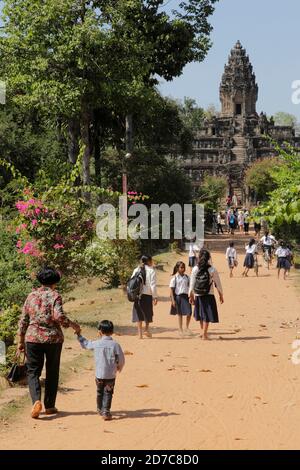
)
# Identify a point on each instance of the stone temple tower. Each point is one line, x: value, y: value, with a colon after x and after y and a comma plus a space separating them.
x: 228, y: 143
x: 238, y: 89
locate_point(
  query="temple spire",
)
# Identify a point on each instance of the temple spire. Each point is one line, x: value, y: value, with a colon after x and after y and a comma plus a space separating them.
x: 238, y: 89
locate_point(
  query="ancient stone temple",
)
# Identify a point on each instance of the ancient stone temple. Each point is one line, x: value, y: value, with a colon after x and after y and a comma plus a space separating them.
x: 227, y: 144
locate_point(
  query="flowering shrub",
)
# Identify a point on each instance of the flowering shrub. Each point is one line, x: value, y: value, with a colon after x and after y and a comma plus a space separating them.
x: 134, y: 197
x: 52, y: 231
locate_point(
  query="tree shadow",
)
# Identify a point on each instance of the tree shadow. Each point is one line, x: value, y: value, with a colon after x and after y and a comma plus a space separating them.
x: 144, y: 413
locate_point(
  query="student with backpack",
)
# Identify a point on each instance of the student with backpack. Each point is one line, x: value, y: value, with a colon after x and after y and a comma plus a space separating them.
x: 144, y: 296
x: 201, y: 293
x: 232, y: 222
x: 179, y: 289
x: 251, y: 253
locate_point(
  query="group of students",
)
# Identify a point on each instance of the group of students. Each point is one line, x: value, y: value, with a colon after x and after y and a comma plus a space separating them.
x: 268, y: 243
x: 233, y: 219
x: 186, y: 292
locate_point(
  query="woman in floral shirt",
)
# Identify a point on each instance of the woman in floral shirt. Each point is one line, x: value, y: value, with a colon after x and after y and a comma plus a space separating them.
x: 41, y: 337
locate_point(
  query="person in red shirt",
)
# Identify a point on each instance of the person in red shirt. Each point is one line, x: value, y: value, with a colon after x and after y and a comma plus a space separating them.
x: 41, y: 336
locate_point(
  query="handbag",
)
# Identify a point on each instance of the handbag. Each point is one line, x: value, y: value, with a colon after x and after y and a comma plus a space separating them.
x: 18, y: 371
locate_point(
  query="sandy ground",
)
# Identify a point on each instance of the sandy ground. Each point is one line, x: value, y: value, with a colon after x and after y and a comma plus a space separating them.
x: 238, y: 391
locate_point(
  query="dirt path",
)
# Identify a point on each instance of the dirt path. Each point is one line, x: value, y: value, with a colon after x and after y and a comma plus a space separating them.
x: 240, y: 391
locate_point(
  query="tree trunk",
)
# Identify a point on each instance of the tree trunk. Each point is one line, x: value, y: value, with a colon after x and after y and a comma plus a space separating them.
x: 86, y: 140
x: 129, y: 133
x: 73, y: 140
x: 97, y: 147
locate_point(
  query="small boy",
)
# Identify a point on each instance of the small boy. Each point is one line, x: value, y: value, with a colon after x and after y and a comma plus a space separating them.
x: 109, y: 358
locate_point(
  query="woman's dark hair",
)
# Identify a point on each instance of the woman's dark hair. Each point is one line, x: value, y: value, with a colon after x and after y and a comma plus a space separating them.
x: 145, y: 259
x: 106, y: 327
x: 177, y: 266
x: 48, y: 276
x: 203, y: 262
x: 231, y: 244
x: 282, y: 243
x: 252, y: 242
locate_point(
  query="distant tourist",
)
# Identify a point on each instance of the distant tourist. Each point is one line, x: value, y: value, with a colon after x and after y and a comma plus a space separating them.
x: 179, y: 289
x: 251, y: 252
x: 219, y: 223
x: 41, y: 336
x: 228, y: 201
x: 109, y: 359
x: 246, y: 222
x: 232, y: 222
x: 142, y: 310
x: 234, y: 201
x: 231, y: 256
x: 241, y: 221
x: 201, y: 293
x: 257, y: 228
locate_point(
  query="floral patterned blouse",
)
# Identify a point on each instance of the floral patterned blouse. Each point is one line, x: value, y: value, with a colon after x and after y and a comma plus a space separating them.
x: 42, y: 317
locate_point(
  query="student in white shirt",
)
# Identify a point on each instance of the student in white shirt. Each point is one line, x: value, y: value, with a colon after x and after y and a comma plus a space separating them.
x: 192, y: 254
x: 251, y: 252
x: 268, y: 241
x: 179, y: 289
x: 206, y: 310
x: 283, y: 254
x: 231, y: 257
x: 142, y: 310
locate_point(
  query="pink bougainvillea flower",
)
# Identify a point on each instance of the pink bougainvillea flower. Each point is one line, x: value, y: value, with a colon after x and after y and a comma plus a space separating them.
x: 31, y: 202
x: 57, y: 246
x: 37, y: 211
x: 19, y: 244
x: 34, y: 222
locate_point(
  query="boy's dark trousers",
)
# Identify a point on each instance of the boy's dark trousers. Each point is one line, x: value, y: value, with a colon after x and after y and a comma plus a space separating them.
x: 219, y: 228
x: 105, y: 391
x: 36, y: 353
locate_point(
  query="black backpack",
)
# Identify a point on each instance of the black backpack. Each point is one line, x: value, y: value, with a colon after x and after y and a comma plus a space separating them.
x: 203, y: 283
x: 135, y: 285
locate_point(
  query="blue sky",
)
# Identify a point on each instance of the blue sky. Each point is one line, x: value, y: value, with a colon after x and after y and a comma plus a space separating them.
x: 270, y: 32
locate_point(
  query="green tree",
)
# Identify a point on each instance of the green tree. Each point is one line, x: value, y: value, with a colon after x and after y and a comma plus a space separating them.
x: 211, y: 191
x: 260, y: 177
x: 285, y: 119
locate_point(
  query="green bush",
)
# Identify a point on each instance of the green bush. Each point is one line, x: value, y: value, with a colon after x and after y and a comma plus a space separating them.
x: 9, y: 324
x: 15, y: 283
x: 111, y: 260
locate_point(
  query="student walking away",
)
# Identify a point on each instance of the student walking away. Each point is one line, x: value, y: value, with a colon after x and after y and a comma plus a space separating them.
x: 41, y: 336
x: 290, y: 256
x: 246, y: 222
x: 201, y: 293
x: 142, y: 310
x: 257, y: 228
x: 268, y: 242
x: 179, y: 290
x: 214, y: 223
x: 192, y: 253
x: 231, y: 256
x: 251, y: 252
x: 109, y: 359
x: 283, y: 262
x: 219, y: 223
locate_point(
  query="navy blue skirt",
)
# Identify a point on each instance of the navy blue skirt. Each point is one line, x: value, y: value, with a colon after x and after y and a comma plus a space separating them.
x: 142, y: 310
x: 192, y: 261
x: 206, y: 309
x: 183, y: 306
x: 249, y: 261
x: 283, y: 263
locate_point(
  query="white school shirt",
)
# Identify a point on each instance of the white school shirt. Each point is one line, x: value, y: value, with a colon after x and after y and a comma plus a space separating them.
x: 241, y: 219
x: 182, y: 284
x: 251, y: 249
x: 215, y: 278
x: 269, y: 240
x: 219, y: 219
x: 282, y: 252
x: 193, y: 248
x: 150, y: 284
x: 231, y: 253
